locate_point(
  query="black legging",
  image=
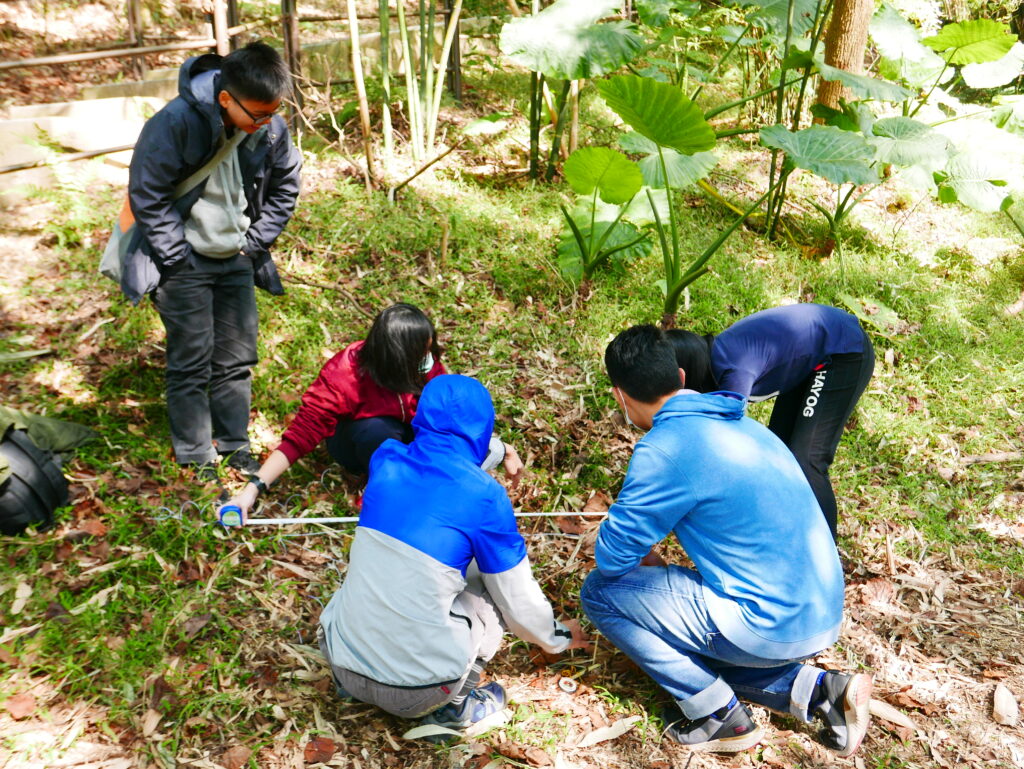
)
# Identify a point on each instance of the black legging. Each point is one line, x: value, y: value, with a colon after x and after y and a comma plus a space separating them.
x: 811, y: 417
x: 354, y: 442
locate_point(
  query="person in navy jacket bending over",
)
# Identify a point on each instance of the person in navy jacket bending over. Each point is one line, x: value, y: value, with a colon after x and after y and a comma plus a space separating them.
x: 767, y: 588
x: 815, y: 360
x: 364, y: 395
x: 437, y: 571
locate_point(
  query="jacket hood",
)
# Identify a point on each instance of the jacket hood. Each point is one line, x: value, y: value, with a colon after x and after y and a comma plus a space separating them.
x: 457, y: 411
x: 196, y: 80
x: 715, y: 405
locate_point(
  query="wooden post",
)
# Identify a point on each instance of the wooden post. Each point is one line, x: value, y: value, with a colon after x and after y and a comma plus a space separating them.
x: 220, y: 27
x: 135, y: 36
x: 235, y: 20
x: 454, y: 77
x: 292, y: 54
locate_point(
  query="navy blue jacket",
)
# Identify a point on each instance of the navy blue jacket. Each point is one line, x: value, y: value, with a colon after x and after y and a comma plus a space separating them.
x: 176, y: 142
x: 773, y: 351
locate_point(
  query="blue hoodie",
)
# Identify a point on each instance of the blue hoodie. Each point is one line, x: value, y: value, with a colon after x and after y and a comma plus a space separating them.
x: 740, y: 505
x: 428, y: 512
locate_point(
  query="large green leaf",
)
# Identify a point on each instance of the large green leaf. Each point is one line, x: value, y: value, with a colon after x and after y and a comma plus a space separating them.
x: 972, y: 42
x: 658, y: 111
x: 840, y: 156
x: 640, y: 212
x: 1009, y: 113
x: 974, y: 178
x: 906, y: 142
x: 615, y: 177
x: 564, y: 41
x: 904, y: 57
x: 683, y: 170
x: 570, y: 260
x: 995, y: 74
x: 863, y: 86
x: 772, y: 15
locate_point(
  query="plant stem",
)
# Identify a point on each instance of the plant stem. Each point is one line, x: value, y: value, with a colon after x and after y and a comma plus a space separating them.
x: 384, y: 17
x: 671, y: 217
x: 446, y: 48
x: 721, y: 61
x: 556, y: 141
x: 536, y: 83
x: 412, y: 90
x: 357, y: 76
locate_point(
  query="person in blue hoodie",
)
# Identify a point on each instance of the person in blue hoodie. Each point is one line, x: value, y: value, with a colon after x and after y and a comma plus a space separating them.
x: 767, y: 588
x: 437, y: 571
x: 201, y: 255
x: 815, y: 360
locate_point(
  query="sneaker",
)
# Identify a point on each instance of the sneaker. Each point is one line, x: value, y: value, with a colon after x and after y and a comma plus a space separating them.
x: 844, y: 711
x: 728, y: 730
x: 243, y: 461
x: 205, y: 472
x: 481, y: 703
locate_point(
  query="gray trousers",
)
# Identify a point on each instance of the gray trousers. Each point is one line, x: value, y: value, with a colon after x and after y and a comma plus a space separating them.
x: 209, y: 312
x: 415, y: 701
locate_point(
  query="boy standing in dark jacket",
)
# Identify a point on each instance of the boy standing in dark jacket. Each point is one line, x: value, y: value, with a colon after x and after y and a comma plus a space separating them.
x: 201, y: 255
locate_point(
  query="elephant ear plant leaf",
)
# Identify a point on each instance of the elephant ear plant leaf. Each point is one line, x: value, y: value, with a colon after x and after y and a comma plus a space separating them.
x: 683, y: 170
x: 841, y: 157
x: 975, y: 179
x: 660, y: 113
x: 567, y: 41
x: 972, y: 42
x: 597, y: 232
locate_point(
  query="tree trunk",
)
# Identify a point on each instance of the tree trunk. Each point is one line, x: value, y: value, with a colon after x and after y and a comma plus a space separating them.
x: 845, y: 42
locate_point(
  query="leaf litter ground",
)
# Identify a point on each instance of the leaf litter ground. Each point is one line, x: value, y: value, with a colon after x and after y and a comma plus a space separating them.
x: 236, y: 680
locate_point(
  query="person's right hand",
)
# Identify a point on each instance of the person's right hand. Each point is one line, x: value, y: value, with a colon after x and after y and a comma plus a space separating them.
x: 244, y: 500
x: 580, y: 639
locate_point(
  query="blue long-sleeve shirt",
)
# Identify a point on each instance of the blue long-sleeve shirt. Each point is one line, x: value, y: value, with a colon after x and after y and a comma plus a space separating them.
x: 739, y: 504
x: 773, y: 351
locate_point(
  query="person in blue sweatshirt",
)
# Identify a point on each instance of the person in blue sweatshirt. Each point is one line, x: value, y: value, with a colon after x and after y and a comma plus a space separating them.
x: 815, y: 360
x: 767, y: 590
x: 437, y: 571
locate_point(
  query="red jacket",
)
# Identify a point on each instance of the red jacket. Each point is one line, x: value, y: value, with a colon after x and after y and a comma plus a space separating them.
x: 343, y: 392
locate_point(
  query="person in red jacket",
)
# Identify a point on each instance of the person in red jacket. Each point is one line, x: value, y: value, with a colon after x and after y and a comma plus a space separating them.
x: 364, y: 395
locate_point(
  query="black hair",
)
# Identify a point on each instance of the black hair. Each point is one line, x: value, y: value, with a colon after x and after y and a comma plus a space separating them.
x: 395, y: 347
x: 693, y: 355
x: 640, y: 361
x: 255, y: 72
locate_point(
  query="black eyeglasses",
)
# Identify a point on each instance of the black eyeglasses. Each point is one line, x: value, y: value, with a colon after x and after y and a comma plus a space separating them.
x: 254, y: 118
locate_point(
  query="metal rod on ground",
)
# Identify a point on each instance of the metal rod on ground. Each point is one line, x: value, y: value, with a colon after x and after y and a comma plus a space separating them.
x: 355, y: 518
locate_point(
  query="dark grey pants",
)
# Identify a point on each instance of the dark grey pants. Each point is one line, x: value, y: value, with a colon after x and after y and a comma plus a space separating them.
x: 416, y: 701
x: 209, y: 312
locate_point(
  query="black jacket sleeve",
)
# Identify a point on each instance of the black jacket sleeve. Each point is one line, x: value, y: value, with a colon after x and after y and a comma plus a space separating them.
x: 158, y: 164
x: 280, y: 191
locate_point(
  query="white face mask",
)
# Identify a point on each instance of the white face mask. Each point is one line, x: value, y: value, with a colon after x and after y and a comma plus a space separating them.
x: 625, y: 409
x: 427, y: 363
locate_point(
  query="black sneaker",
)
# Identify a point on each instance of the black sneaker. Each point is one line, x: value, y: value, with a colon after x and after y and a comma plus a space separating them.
x: 844, y: 711
x: 243, y: 461
x: 205, y: 472
x: 727, y: 730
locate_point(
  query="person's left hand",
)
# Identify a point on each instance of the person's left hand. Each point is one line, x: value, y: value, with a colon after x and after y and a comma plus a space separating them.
x: 653, y: 559
x: 514, y: 466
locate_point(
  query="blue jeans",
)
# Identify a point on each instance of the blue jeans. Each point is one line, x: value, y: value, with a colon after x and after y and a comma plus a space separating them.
x: 656, y: 615
x: 354, y: 442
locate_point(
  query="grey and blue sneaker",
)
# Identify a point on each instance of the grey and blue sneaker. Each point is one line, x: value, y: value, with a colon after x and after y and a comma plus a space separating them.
x: 844, y: 710
x: 480, y: 704
x: 728, y: 730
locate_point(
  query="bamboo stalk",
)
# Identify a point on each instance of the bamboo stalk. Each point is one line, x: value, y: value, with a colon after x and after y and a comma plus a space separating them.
x: 412, y: 90
x: 446, y: 48
x: 357, y: 76
x: 385, y: 81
